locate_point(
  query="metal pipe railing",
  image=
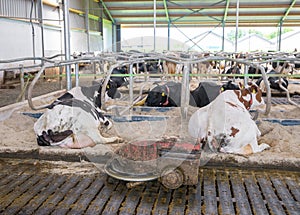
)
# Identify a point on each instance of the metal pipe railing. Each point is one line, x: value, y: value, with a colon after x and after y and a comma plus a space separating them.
x: 30, y: 88
x: 256, y: 59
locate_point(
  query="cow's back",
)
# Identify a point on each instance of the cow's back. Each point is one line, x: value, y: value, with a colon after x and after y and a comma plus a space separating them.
x: 174, y: 93
x: 225, y: 119
x: 204, y: 94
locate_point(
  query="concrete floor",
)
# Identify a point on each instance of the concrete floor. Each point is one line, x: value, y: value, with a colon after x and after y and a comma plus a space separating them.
x: 39, y: 187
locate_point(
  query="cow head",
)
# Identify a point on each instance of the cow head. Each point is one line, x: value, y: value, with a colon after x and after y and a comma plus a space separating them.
x: 111, y: 92
x: 229, y: 86
x: 158, y: 96
x: 250, y: 95
x: 118, y: 78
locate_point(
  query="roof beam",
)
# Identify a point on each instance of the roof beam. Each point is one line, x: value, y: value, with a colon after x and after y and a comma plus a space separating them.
x: 183, y: 25
x: 107, y: 11
x: 244, y: 22
x: 226, y: 11
x: 166, y: 10
x: 196, y: 11
x: 206, y: 6
x: 287, y: 12
x: 215, y: 14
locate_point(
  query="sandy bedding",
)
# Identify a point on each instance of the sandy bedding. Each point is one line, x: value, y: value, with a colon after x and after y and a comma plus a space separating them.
x: 17, y: 131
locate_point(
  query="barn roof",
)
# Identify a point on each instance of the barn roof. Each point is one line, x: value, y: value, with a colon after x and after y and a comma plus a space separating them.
x: 204, y: 13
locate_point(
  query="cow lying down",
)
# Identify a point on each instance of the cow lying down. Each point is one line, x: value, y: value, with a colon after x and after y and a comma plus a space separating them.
x: 226, y: 125
x: 274, y: 82
x: 169, y: 94
x: 74, y: 119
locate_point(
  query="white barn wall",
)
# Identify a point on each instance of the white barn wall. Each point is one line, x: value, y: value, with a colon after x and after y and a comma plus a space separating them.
x: 96, y: 42
x: 53, y: 42
x: 16, y: 39
x: 78, y: 41
x: 16, y: 35
x: 107, y: 35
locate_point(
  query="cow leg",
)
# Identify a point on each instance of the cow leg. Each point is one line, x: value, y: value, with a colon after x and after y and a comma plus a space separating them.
x: 261, y: 147
x: 106, y: 140
x: 80, y: 140
x: 245, y: 150
x: 248, y: 149
x: 179, y: 71
x: 212, y: 143
x: 66, y: 143
x: 256, y: 147
x: 76, y: 141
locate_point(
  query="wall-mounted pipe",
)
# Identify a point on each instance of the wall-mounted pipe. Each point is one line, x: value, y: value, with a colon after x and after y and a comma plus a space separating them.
x: 32, y: 29
x: 40, y: 19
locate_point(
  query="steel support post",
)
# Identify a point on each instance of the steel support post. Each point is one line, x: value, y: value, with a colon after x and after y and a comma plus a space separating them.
x: 67, y: 41
x: 87, y: 24
x: 237, y: 25
x: 154, y: 25
x: 185, y: 91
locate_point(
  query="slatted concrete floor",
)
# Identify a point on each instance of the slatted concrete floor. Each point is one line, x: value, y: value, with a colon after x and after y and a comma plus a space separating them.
x: 284, y: 101
x: 37, y: 189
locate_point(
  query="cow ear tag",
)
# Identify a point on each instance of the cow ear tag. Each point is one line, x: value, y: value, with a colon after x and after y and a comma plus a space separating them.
x: 241, y: 85
x: 222, y: 89
x: 107, y: 86
x: 253, y: 91
x: 163, y: 94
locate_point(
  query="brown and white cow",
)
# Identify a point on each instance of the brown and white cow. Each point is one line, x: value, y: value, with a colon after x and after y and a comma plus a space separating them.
x: 226, y: 125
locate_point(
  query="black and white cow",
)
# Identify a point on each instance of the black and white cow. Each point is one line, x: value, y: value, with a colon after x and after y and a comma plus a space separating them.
x: 208, y: 91
x: 226, y: 124
x: 117, y: 77
x: 73, y: 120
x: 169, y: 94
x: 234, y: 70
x: 274, y: 81
x: 254, y: 71
x: 91, y: 94
x: 166, y: 95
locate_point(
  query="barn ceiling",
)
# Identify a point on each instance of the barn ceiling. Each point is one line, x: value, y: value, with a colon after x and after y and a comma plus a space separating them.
x: 204, y: 13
